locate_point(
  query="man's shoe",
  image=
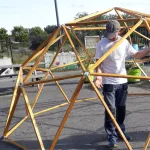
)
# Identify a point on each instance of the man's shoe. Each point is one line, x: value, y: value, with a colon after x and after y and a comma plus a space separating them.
x: 128, y: 137
x: 112, y: 145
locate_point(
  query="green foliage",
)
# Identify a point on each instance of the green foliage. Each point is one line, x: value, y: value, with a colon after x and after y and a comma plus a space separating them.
x: 3, y: 34
x: 80, y: 15
x: 3, y: 41
x: 20, y: 34
x: 50, y: 29
x: 36, y: 36
x: 67, y: 48
x: 107, y: 17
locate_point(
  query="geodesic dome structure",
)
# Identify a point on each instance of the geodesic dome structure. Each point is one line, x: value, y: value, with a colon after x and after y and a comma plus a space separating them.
x: 68, y: 30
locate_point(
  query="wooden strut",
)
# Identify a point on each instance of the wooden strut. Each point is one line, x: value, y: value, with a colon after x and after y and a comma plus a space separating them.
x: 53, y: 79
x: 147, y: 142
x: 120, y: 76
x: 13, y: 104
x: 133, y: 13
x: 101, y: 22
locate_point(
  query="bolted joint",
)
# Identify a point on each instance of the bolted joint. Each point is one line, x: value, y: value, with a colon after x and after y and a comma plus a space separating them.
x: 21, y: 85
x: 86, y: 73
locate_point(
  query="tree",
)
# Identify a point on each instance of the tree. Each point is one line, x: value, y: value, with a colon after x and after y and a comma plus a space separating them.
x: 50, y: 29
x: 36, y: 36
x: 20, y: 34
x: 80, y: 15
x: 3, y: 34
x: 3, y: 39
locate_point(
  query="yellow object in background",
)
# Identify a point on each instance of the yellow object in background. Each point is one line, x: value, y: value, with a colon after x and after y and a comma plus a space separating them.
x: 91, y: 77
x: 134, y: 72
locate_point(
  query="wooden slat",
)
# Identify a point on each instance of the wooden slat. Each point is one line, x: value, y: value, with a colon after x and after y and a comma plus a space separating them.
x: 52, y: 80
x: 120, y: 76
x: 134, y: 13
x: 13, y: 104
x: 101, y: 28
x: 101, y: 22
x: 142, y: 35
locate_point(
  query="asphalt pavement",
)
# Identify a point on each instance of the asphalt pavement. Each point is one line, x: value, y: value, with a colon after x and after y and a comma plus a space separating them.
x: 84, y: 128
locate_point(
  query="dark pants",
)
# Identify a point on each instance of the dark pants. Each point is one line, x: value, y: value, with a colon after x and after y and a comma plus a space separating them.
x: 115, y: 97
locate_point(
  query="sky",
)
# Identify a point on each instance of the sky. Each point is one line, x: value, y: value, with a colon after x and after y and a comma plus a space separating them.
x: 32, y: 13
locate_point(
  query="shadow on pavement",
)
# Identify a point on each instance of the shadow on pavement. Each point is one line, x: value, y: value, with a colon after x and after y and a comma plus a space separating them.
x: 92, y: 141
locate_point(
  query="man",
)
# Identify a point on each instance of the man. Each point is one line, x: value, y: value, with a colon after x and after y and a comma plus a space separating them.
x: 114, y: 89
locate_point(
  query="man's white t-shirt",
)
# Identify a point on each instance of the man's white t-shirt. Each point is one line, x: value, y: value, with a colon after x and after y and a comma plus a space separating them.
x: 115, y: 62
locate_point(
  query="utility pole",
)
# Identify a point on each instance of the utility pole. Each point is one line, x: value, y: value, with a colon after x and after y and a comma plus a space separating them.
x: 56, y: 10
x: 58, y: 24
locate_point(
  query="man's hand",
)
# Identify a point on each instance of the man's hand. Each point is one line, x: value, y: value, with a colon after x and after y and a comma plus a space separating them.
x: 98, y: 82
